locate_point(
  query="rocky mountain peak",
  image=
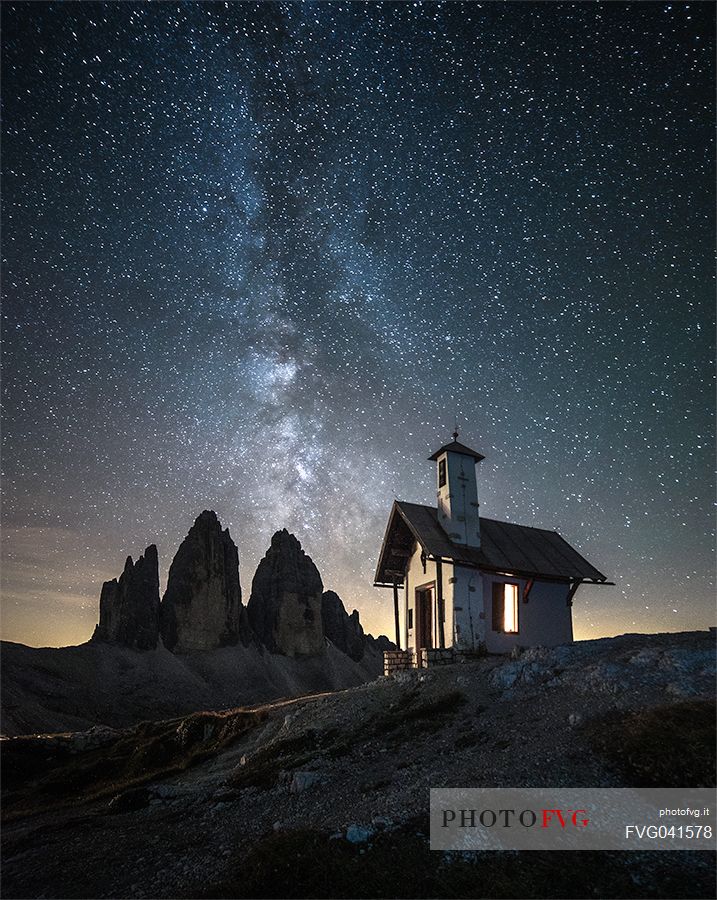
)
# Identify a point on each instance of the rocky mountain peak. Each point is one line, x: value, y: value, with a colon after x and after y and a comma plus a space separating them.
x: 202, y: 608
x: 285, y: 604
x: 129, y: 606
x: 286, y: 540
x: 342, y: 629
x: 208, y: 519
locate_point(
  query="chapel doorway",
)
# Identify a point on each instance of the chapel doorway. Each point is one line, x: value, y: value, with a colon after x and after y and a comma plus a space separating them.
x: 424, y: 616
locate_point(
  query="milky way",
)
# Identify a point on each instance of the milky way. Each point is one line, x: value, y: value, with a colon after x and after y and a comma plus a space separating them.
x: 259, y: 258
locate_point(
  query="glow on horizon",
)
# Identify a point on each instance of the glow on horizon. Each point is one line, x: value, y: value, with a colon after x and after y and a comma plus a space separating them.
x: 65, y: 615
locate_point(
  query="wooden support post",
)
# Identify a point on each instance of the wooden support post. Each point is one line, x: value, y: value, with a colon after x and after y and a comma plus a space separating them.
x: 395, y: 614
x: 406, y: 599
x: 571, y: 593
x: 439, y: 595
x: 527, y: 589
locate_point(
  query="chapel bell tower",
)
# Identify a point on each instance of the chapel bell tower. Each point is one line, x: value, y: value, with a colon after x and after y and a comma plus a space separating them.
x: 457, y: 492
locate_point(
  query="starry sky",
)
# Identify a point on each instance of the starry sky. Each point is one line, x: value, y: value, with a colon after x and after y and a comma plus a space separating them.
x: 260, y: 257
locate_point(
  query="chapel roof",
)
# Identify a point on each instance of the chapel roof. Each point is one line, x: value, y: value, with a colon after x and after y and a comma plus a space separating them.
x: 520, y: 550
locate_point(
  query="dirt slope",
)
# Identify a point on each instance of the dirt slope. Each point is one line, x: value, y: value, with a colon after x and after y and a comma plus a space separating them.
x: 73, y: 688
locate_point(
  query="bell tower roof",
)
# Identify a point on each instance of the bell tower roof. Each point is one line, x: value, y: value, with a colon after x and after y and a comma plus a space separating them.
x: 456, y: 447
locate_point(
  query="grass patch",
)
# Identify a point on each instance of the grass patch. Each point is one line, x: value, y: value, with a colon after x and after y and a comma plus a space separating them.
x: 666, y: 746
x: 40, y: 771
x: 306, y: 863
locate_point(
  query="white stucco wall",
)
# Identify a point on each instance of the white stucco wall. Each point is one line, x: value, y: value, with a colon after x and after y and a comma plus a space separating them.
x: 467, y: 607
x: 462, y: 588
x: 417, y: 578
x: 545, y: 620
x: 414, y: 578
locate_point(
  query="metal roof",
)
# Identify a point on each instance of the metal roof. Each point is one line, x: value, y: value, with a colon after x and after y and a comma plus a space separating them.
x: 456, y: 447
x: 518, y: 549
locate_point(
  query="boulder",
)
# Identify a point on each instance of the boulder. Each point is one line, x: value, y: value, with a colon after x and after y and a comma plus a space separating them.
x: 300, y: 781
x: 358, y: 834
x: 285, y: 605
x: 202, y: 608
x: 129, y: 606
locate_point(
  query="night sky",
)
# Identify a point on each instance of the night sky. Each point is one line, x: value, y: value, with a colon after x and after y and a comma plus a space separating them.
x: 258, y: 258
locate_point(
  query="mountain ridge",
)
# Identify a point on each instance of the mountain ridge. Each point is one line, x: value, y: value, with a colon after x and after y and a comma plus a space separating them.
x: 199, y: 647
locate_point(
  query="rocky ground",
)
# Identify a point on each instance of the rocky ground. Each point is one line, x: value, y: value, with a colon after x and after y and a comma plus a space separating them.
x: 327, y: 795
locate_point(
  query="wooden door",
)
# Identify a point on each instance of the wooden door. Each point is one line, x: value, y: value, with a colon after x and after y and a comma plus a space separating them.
x: 424, y: 617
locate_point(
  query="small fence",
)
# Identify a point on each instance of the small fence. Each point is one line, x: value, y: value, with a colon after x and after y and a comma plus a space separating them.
x: 426, y: 658
x: 397, y: 661
x: 430, y: 657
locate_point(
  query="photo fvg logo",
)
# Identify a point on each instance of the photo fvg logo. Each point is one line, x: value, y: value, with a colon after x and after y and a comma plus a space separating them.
x: 509, y: 818
x: 572, y: 818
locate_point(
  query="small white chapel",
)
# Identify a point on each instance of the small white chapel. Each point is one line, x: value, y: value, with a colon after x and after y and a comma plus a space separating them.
x: 462, y: 582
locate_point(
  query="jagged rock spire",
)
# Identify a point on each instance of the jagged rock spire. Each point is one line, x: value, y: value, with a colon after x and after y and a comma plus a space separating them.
x: 343, y: 630
x: 202, y: 608
x: 129, y: 607
x: 285, y: 605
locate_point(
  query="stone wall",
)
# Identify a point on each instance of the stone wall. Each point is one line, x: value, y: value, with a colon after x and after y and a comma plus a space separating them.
x: 397, y: 661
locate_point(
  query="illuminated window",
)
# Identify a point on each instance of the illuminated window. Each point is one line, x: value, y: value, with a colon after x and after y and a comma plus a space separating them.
x: 505, y: 607
x: 441, y: 473
x: 510, y: 608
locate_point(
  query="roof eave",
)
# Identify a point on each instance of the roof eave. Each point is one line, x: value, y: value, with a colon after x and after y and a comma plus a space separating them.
x: 395, y: 508
x: 411, y: 527
x: 524, y: 573
x: 463, y: 452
